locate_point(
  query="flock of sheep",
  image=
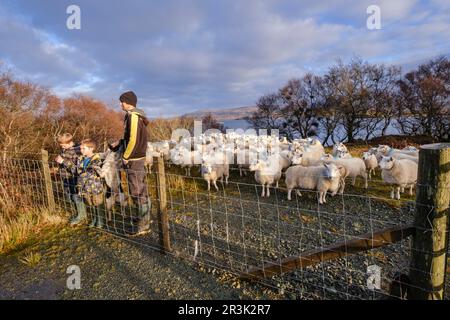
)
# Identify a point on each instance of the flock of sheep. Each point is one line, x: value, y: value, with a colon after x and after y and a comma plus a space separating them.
x: 304, y: 161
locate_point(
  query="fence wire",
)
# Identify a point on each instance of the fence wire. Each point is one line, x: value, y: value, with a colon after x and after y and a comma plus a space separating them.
x: 236, y: 230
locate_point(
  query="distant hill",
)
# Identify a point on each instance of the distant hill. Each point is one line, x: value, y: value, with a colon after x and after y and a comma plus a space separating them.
x: 224, y: 113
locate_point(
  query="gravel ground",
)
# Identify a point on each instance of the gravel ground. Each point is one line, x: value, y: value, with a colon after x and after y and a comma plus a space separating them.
x: 233, y: 229
x: 112, y: 268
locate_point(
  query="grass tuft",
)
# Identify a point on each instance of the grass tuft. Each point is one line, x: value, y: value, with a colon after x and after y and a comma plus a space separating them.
x: 31, y: 259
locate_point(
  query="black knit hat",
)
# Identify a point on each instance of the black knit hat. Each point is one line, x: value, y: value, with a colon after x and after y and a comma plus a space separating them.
x: 129, y: 97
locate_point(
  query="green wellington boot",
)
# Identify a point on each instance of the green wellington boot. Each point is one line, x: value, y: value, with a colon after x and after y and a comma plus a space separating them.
x: 94, y: 217
x: 100, y: 216
x: 81, y: 213
x: 144, y: 218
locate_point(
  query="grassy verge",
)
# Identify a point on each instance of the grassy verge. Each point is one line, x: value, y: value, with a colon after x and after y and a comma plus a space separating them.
x: 17, y: 227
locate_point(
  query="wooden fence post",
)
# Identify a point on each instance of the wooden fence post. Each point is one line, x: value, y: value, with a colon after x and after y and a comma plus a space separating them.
x: 430, y: 241
x: 48, y: 180
x: 163, y: 219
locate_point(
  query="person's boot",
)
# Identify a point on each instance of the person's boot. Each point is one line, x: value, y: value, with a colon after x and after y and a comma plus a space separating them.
x: 94, y: 217
x: 144, y: 218
x: 100, y: 215
x: 81, y: 213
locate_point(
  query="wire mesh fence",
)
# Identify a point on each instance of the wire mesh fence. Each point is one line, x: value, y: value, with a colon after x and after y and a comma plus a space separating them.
x: 357, y: 245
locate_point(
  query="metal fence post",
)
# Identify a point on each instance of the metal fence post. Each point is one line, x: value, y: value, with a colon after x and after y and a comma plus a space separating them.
x: 430, y: 241
x: 163, y: 219
x: 48, y: 180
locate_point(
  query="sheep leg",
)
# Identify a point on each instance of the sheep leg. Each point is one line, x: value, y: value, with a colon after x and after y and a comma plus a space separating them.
x: 341, y: 189
x: 268, y: 191
x: 398, y: 193
x: 109, y: 202
x: 215, y: 185
x: 289, y: 194
x: 277, y: 183
x: 209, y: 185
x: 240, y: 171
x: 365, y: 180
x: 298, y: 193
x: 226, y: 180
x: 353, y: 181
x: 411, y: 189
x: 262, y: 193
x: 392, y: 192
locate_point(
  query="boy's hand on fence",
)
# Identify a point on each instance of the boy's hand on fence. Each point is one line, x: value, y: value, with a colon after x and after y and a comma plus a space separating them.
x: 125, y: 161
x: 59, y: 159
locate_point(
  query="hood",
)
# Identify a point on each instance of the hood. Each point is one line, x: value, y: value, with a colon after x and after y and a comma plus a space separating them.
x: 139, y: 112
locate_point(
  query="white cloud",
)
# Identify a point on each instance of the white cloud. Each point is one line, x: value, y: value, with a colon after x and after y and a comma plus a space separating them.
x: 185, y: 55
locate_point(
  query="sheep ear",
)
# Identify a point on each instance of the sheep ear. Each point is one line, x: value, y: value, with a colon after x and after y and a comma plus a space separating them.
x: 391, y: 159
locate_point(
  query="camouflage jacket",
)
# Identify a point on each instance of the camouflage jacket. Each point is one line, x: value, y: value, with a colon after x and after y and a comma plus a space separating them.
x: 89, y: 181
x: 69, y: 155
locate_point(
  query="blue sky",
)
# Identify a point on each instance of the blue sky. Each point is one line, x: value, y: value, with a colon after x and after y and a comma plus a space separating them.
x: 186, y: 55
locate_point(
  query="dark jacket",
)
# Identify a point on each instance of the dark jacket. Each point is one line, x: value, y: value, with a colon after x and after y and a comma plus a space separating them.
x: 89, y: 181
x: 135, y: 135
x: 71, y: 155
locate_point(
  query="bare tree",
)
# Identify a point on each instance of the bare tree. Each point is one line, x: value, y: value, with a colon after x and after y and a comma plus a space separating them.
x: 382, y: 87
x: 210, y: 122
x: 268, y: 113
x: 300, y: 104
x: 328, y: 114
x: 424, y: 100
x: 351, y: 86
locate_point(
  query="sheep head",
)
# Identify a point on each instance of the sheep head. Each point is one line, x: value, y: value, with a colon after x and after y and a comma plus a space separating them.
x: 331, y: 171
x: 387, y: 163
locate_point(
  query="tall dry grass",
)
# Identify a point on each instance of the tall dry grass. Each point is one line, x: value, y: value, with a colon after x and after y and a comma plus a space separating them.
x: 17, y: 225
x: 21, y: 217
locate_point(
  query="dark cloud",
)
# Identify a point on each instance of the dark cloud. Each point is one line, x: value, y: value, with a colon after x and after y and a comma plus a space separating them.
x: 185, y: 55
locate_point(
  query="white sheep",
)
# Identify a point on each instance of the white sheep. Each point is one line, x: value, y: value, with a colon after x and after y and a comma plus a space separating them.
x: 402, y: 156
x: 307, y: 156
x: 150, y: 153
x: 399, y: 173
x: 267, y: 172
x: 185, y: 158
x: 371, y: 163
x: 244, y: 158
x: 325, y: 178
x: 387, y: 151
x: 284, y: 161
x: 213, y: 172
x: 314, y: 145
x: 306, y: 160
x: 340, y: 151
x: 110, y: 172
x: 355, y: 167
